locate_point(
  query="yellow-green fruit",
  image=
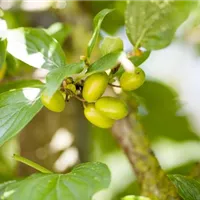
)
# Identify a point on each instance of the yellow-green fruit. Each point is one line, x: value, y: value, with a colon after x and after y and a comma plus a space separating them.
x: 94, y: 86
x: 132, y: 80
x: 55, y: 103
x: 97, y: 118
x: 112, y: 107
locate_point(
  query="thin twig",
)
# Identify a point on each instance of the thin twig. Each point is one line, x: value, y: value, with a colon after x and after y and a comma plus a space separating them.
x: 31, y: 164
x: 114, y: 85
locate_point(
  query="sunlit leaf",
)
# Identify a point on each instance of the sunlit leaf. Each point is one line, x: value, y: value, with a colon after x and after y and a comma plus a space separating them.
x: 81, y: 183
x: 20, y: 84
x: 36, y: 48
x: 17, y: 108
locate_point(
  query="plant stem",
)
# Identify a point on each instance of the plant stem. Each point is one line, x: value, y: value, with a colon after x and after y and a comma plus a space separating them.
x: 114, y: 85
x: 31, y: 164
x: 152, y: 179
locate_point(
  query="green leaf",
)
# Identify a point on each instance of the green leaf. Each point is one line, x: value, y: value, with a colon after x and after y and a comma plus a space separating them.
x: 158, y: 110
x: 4, y: 186
x: 59, y: 31
x: 152, y: 24
x: 55, y: 77
x: 36, y: 48
x: 188, y: 188
x: 12, y: 65
x: 20, y: 84
x: 1, y: 13
x: 111, y: 44
x: 132, y: 197
x: 138, y: 60
x: 106, y: 62
x: 3, y: 45
x: 17, y: 108
x: 97, y: 26
x: 81, y: 183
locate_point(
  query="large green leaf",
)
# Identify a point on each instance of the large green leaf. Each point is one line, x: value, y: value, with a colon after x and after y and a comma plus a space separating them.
x: 152, y: 24
x: 188, y: 188
x: 97, y: 26
x: 55, y: 77
x: 81, y: 183
x: 36, y: 48
x: 159, y: 115
x: 106, y: 62
x: 17, y: 108
x: 20, y: 84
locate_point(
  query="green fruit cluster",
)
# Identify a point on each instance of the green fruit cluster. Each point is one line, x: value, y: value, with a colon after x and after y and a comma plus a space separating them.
x: 100, y: 111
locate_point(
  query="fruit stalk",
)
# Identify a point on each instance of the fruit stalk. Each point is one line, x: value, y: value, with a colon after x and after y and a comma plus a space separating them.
x: 152, y: 179
x: 31, y: 164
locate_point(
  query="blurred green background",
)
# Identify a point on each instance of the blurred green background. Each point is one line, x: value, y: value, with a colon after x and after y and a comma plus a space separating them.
x: 169, y: 101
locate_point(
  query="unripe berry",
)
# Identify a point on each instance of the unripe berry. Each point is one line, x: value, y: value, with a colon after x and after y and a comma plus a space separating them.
x: 94, y: 86
x: 97, y: 118
x: 132, y: 80
x: 112, y: 107
x: 55, y: 103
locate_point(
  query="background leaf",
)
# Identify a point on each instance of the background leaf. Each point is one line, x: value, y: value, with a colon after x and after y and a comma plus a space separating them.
x: 55, y: 77
x: 36, y: 48
x: 106, y: 62
x: 97, y: 25
x: 188, y: 188
x: 17, y: 108
x: 81, y: 183
x: 159, y: 107
x: 3, y: 45
x: 59, y: 31
x: 152, y: 24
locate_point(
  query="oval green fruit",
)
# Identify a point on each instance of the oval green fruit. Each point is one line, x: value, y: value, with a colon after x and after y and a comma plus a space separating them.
x: 132, y: 80
x: 55, y: 103
x: 94, y: 86
x: 97, y: 118
x: 112, y: 107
